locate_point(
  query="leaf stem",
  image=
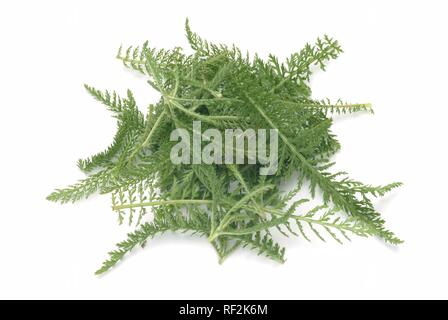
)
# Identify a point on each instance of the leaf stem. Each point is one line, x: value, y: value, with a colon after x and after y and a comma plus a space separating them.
x: 148, y: 137
x: 161, y: 203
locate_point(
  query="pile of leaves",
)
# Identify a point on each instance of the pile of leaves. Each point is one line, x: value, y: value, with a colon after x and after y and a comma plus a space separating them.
x: 232, y: 205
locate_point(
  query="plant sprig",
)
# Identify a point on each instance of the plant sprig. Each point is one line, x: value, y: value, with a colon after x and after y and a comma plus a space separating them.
x: 233, y: 206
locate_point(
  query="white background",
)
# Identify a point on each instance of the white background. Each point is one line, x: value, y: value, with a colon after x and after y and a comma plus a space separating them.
x: 395, y: 57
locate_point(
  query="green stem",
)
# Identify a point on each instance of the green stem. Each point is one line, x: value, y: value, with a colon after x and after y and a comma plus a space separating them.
x: 210, y: 119
x: 148, y: 138
x: 161, y: 203
x: 324, y: 183
x: 240, y: 179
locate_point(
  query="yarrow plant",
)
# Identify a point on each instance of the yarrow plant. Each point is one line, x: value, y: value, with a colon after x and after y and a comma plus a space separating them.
x: 232, y: 204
